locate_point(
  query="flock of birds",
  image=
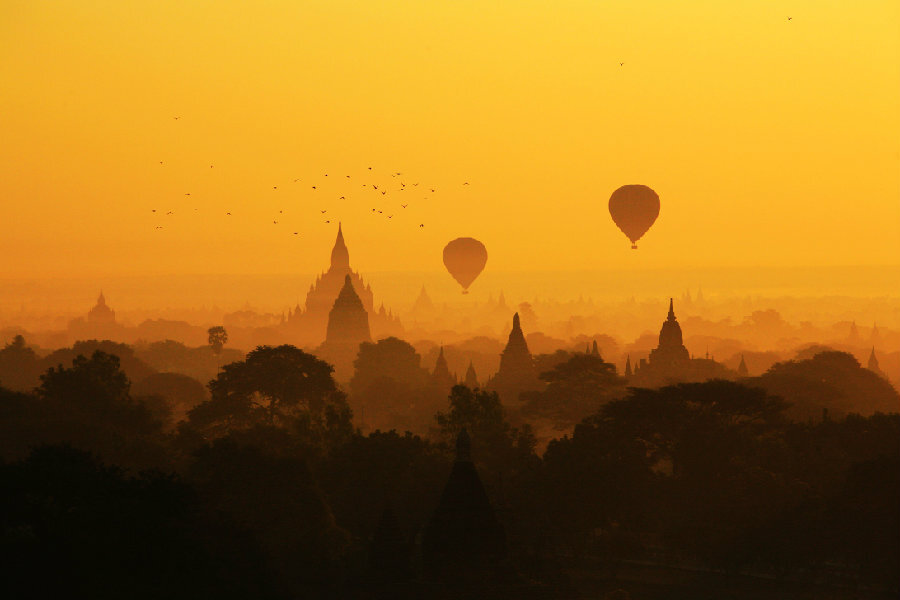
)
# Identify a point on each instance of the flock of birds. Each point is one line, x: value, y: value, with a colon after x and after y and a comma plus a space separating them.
x: 383, y: 192
x: 380, y: 191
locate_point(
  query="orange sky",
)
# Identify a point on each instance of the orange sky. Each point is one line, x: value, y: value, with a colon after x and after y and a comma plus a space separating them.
x: 769, y: 141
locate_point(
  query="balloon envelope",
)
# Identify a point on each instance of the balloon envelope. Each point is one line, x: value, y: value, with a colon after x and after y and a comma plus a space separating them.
x: 634, y: 208
x: 465, y: 259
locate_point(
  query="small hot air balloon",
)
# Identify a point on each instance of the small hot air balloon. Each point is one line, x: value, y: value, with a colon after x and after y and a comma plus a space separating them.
x: 465, y: 259
x: 634, y: 209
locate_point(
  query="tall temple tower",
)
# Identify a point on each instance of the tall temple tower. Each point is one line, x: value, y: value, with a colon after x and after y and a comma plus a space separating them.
x: 670, y: 353
x: 517, y: 373
x: 310, y: 324
x: 348, y: 327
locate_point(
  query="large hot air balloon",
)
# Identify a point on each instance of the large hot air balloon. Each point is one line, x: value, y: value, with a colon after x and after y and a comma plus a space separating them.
x: 634, y: 208
x: 465, y: 259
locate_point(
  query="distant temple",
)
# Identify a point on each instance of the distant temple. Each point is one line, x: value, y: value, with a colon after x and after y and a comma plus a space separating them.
x: 670, y: 361
x: 873, y: 364
x: 743, y: 371
x: 309, y: 325
x: 441, y: 377
x: 670, y: 353
x: 517, y: 372
x: 347, y: 328
x: 463, y: 541
x: 99, y: 323
x: 101, y: 314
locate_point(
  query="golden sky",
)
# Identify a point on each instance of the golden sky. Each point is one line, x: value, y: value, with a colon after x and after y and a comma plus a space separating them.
x: 770, y: 141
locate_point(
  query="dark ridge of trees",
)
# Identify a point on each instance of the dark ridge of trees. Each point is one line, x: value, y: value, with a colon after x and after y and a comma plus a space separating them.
x: 575, y: 389
x: 830, y: 380
x: 133, y: 367
x: 277, y: 495
x: 73, y: 527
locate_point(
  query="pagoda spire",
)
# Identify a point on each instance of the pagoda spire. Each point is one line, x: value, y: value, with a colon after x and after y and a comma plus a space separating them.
x: 671, y: 315
x: 340, y: 256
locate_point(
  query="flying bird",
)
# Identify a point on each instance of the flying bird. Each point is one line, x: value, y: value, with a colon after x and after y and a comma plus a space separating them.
x: 390, y: 216
x: 322, y: 211
x: 188, y: 194
x: 383, y: 193
x: 421, y: 224
x: 621, y: 64
x: 403, y: 205
x: 171, y: 212
x: 210, y: 166
x: 274, y: 222
x: 228, y: 213
x: 296, y: 180
x: 295, y: 233
x: 465, y: 183
x: 370, y: 168
x: 789, y: 18
x: 274, y: 187
x: 341, y: 198
x: 374, y: 186
x: 328, y: 221
x: 152, y: 210
x: 176, y: 118
x: 313, y: 187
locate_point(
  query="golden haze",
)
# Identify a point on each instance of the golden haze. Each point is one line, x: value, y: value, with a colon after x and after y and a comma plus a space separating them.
x: 769, y: 141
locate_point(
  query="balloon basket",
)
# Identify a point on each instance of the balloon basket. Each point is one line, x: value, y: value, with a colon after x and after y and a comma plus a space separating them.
x: 465, y: 292
x: 634, y: 246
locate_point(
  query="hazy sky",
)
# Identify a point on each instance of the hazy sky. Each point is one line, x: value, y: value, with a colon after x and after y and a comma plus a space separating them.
x: 770, y: 141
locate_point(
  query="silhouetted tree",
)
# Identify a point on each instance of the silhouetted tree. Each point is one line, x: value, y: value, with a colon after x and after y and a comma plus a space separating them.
x: 278, y: 386
x: 19, y: 366
x: 218, y: 337
x: 575, y: 389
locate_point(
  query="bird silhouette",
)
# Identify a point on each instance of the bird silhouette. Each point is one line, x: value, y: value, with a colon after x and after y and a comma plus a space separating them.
x: 390, y: 216
x: 383, y: 193
x: 160, y: 162
x: 152, y: 210
x: 296, y: 180
x: 421, y: 224
x: 313, y: 187
x: 295, y: 233
x: 274, y: 187
x: 176, y: 118
x: 621, y: 64
x: 403, y: 205
x: 210, y: 166
x: 322, y: 211
x: 789, y: 18
x: 432, y: 189
x: 374, y: 186
x: 348, y: 177
x: 370, y: 168
x: 171, y: 212
x: 228, y: 213
x: 274, y: 222
x: 341, y: 198
x: 328, y: 221
x: 415, y: 184
x: 465, y: 183
x: 188, y: 194
x: 159, y: 226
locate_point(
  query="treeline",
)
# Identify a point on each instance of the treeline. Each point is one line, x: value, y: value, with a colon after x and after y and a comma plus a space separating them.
x: 267, y: 488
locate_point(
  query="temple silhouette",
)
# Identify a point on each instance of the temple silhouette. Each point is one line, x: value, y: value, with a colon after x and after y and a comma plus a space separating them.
x: 463, y: 542
x: 347, y: 327
x: 670, y: 362
x: 308, y: 326
x: 99, y: 323
x: 517, y: 372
